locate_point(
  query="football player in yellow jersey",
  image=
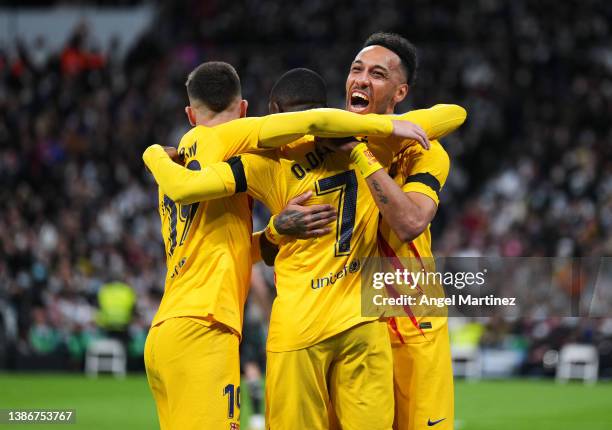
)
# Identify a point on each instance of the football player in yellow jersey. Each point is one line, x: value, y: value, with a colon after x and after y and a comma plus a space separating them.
x: 320, y: 349
x: 407, y: 198
x: 191, y: 353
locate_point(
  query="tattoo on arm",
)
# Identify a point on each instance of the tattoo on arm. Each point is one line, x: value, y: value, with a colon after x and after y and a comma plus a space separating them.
x: 290, y: 223
x: 379, y: 192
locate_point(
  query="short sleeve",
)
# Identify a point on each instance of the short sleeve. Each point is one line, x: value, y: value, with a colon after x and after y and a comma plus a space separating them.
x: 424, y: 171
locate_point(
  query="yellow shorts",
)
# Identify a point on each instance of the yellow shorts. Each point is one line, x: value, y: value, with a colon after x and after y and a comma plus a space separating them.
x: 351, y: 371
x: 423, y: 382
x: 194, y: 373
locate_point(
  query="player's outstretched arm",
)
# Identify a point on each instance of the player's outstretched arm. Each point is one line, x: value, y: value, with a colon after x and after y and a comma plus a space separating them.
x: 189, y: 186
x: 283, y: 128
x: 437, y: 121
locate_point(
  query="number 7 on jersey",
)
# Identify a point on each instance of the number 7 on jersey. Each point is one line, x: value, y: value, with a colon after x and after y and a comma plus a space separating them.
x: 344, y: 183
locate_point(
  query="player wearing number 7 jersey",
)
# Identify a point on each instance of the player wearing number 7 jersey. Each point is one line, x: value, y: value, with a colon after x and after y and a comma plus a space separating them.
x: 191, y: 353
x: 320, y: 349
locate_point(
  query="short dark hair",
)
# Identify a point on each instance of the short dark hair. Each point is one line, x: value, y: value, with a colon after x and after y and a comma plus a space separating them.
x: 405, y: 50
x: 299, y: 89
x: 214, y: 83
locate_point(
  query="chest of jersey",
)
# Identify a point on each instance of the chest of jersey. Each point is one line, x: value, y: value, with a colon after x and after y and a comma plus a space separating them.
x: 334, y: 181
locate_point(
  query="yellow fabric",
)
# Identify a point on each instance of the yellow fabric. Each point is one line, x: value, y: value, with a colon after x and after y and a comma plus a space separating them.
x: 283, y: 128
x: 364, y: 160
x: 317, y: 280
x: 187, y: 187
x: 423, y: 380
x: 352, y: 372
x: 182, y: 185
x: 279, y: 129
x: 271, y: 233
x: 414, y: 160
x: 441, y: 119
x: 423, y: 383
x: 437, y: 121
x: 309, y: 308
x: 192, y: 370
x: 208, y: 243
x: 208, y: 253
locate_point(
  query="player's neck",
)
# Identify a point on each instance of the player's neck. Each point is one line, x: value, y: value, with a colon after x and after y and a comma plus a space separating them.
x: 210, y: 119
x: 390, y: 110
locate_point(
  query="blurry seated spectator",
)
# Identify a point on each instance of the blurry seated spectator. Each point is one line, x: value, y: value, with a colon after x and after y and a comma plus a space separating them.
x: 43, y: 337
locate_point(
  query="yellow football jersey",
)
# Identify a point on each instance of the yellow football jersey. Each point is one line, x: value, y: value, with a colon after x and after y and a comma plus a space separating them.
x: 208, y: 242
x: 318, y: 280
x: 425, y: 172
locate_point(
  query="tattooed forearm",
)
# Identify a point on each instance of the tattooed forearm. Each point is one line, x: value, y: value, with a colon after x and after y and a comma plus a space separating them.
x: 290, y: 223
x: 379, y: 192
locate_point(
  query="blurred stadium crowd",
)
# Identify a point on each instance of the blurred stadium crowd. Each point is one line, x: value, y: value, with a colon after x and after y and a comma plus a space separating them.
x: 531, y: 170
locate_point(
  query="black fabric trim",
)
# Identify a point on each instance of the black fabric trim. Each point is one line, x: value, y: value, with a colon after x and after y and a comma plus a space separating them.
x: 239, y: 175
x: 425, y: 178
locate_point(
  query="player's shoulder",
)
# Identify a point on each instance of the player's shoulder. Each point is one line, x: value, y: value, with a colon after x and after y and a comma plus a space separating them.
x: 189, y: 137
x: 297, y: 148
x: 439, y: 155
x: 437, y: 149
x: 415, y: 154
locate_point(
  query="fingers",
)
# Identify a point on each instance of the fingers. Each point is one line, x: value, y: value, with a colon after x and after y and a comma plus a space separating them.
x: 409, y: 130
x: 321, y: 215
x: 316, y: 233
x: 420, y: 136
x: 423, y: 142
x: 301, y: 199
x: 174, y: 154
x: 315, y: 209
x: 321, y: 221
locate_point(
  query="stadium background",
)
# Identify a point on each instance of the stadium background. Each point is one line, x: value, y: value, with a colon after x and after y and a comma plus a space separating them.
x: 531, y: 172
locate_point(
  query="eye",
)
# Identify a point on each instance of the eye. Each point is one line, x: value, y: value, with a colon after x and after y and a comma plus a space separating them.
x: 378, y: 75
x: 355, y: 69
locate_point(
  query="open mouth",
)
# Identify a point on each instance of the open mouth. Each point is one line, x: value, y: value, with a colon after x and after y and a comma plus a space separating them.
x: 359, y: 101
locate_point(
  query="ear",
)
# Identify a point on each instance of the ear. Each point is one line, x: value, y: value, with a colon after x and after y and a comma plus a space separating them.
x: 273, y: 107
x: 190, y: 115
x: 243, y: 108
x: 401, y: 93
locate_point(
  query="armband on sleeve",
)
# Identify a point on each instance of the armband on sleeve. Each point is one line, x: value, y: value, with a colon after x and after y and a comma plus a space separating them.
x: 365, y: 160
x: 271, y: 233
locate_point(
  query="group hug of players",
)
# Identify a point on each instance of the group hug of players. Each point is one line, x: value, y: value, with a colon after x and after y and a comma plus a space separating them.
x: 373, y: 194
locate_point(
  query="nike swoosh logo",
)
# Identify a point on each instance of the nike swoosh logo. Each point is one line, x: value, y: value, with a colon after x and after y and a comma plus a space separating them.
x: 433, y: 423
